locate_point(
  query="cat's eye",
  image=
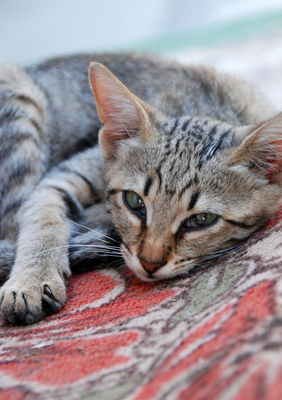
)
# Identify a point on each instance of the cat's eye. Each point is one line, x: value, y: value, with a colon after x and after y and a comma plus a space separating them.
x: 202, y: 220
x: 135, y: 203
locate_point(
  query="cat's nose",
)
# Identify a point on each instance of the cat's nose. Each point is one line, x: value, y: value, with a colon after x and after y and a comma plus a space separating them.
x: 151, y: 267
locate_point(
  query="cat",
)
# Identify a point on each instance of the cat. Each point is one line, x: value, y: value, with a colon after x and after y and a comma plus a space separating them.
x: 187, y: 166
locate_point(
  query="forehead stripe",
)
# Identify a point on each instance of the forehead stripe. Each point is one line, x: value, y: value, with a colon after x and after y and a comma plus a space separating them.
x: 158, y: 172
x: 193, y: 200
x: 174, y: 127
x: 186, y: 187
x: 147, y: 186
x: 212, y: 147
x: 185, y: 125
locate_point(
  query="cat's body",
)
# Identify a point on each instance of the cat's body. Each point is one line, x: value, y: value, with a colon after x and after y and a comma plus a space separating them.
x: 172, y: 178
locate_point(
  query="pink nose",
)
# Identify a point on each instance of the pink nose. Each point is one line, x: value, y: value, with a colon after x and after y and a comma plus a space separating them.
x: 151, y: 268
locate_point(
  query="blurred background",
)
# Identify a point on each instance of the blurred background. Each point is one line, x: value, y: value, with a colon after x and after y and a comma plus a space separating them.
x: 242, y: 36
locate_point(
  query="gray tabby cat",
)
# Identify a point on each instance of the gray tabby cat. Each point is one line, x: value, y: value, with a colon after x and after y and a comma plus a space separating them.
x: 182, y: 173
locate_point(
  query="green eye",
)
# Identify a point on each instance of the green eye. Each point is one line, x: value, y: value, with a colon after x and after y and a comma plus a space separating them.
x: 135, y: 203
x: 199, y: 221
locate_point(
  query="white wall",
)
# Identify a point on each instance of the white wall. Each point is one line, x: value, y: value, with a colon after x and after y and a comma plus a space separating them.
x: 34, y: 29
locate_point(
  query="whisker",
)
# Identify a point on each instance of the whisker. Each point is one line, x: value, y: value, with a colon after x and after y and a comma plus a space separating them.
x: 121, y: 267
x: 101, y: 246
x: 100, y: 232
x: 100, y: 249
x: 80, y: 225
x: 117, y: 264
x: 93, y: 251
x: 219, y: 253
x: 212, y: 256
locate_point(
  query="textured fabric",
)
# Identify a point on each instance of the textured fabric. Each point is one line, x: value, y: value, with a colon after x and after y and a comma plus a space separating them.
x: 215, y: 335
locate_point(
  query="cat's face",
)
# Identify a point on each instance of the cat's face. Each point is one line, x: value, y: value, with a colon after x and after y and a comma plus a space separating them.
x: 182, y: 191
x: 176, y: 204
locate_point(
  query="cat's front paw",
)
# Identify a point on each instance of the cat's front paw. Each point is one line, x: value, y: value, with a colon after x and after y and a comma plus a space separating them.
x: 25, y: 301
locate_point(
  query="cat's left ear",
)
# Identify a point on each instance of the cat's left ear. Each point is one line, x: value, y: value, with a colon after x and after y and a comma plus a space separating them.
x: 262, y: 150
x: 124, y: 116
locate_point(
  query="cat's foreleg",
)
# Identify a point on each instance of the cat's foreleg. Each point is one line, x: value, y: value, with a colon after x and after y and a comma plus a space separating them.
x: 37, y: 284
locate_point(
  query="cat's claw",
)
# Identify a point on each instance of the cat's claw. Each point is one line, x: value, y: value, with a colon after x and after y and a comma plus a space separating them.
x: 26, y: 303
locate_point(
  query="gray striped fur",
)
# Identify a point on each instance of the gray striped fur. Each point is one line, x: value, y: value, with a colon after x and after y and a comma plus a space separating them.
x: 178, y: 145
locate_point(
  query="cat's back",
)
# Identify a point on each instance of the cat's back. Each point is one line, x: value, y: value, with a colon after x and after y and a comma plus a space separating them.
x: 170, y: 87
x: 167, y: 85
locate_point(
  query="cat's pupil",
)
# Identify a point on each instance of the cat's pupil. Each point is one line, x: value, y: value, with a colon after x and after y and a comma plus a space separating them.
x: 134, y: 202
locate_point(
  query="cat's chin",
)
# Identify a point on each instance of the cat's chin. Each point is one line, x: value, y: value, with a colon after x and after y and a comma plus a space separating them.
x: 139, y: 271
x: 145, y: 278
x: 151, y: 278
x: 135, y: 266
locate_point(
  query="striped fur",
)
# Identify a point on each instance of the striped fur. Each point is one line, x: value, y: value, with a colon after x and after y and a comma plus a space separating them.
x: 187, y: 140
x: 23, y: 138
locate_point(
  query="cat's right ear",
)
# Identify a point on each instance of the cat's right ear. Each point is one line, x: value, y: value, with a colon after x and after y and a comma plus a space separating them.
x: 123, y: 115
x: 261, y: 150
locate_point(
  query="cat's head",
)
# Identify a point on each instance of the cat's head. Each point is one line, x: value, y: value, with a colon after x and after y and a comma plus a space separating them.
x: 183, y: 190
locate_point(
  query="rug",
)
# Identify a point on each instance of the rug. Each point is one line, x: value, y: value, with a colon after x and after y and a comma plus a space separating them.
x: 214, y: 335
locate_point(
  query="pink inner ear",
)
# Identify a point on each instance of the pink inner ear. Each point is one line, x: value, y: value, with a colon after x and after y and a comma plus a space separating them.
x: 104, y: 107
x: 114, y: 101
x: 119, y: 110
x: 111, y: 134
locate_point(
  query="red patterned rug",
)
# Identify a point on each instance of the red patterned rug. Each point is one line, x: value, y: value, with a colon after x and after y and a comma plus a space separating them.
x: 215, y: 335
